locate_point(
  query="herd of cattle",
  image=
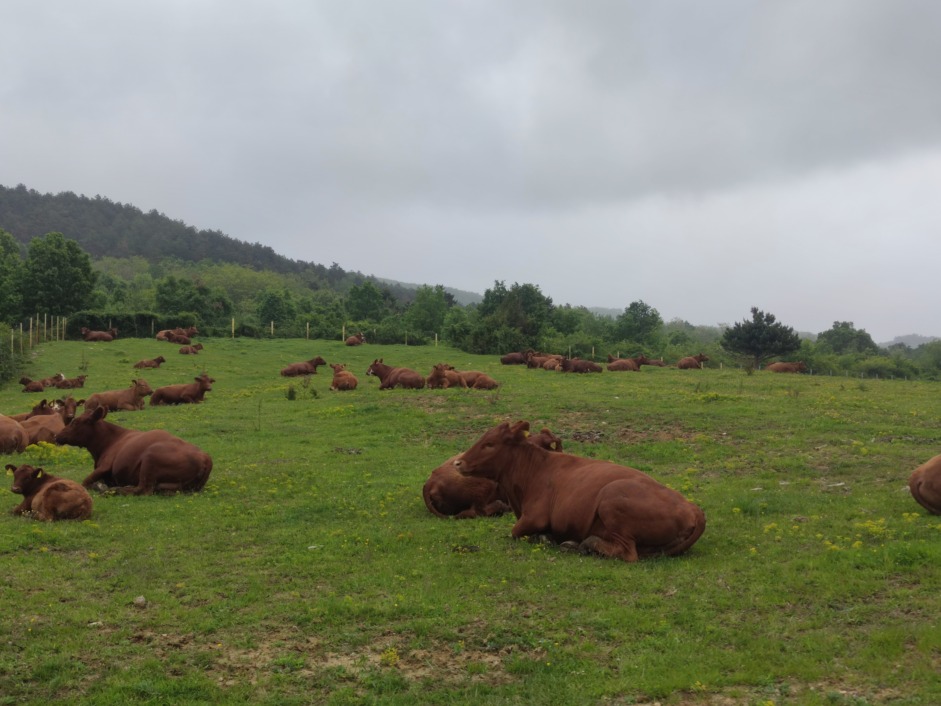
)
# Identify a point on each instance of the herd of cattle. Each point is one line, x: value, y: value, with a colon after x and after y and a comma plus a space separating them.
x: 581, y: 504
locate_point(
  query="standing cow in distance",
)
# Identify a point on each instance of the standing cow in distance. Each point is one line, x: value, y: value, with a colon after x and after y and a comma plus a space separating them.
x: 356, y: 339
x: 782, y: 367
x: 596, y: 507
x: 925, y: 485
x: 390, y: 377
x: 48, y: 497
x: 692, y: 362
x: 137, y: 462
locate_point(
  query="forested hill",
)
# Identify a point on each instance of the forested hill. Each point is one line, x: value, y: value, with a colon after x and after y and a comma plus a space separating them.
x: 105, y: 228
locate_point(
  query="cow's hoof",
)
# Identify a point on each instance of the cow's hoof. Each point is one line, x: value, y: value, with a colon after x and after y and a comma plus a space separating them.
x: 539, y: 539
x: 569, y: 546
x: 102, y: 488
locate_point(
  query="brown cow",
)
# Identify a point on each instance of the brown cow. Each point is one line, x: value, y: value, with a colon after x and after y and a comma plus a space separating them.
x: 72, y: 383
x: 186, y: 393
x: 31, y: 385
x: 137, y: 462
x: 925, y: 484
x: 306, y: 367
x: 152, y: 363
x: 178, y: 339
x: 692, y: 362
x: 13, y: 438
x: 516, y: 358
x: 44, y: 427
x: 42, y: 407
x: 782, y: 367
x: 443, y: 376
x: 448, y: 493
x: 48, y: 497
x: 103, y: 336
x: 356, y: 339
x: 343, y: 379
x: 644, y: 360
x: 577, y: 365
x: 595, y: 506
x: 191, y: 350
x: 622, y: 364
x: 476, y: 380
x: 130, y: 399
x: 166, y: 334
x: 390, y: 377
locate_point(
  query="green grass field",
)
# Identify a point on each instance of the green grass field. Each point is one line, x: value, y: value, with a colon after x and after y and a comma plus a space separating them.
x: 310, y: 571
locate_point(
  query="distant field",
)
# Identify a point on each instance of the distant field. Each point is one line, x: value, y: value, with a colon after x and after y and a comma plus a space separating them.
x: 310, y: 571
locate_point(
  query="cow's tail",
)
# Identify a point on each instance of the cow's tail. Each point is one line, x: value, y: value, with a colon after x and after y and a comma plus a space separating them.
x: 689, y: 538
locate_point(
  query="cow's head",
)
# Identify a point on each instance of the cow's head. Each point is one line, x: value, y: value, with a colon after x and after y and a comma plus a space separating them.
x: 493, y: 451
x: 205, y: 382
x: 82, y: 430
x: 26, y: 479
x: 141, y: 387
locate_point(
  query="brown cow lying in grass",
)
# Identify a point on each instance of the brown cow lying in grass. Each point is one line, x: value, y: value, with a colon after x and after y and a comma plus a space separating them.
x: 166, y: 334
x: 782, y: 367
x: 13, y: 438
x: 476, y: 380
x: 390, y: 377
x: 597, y: 507
x: 41, y: 407
x: 187, y: 393
x: 40, y: 385
x: 137, y: 462
x: 644, y: 360
x: 104, y: 336
x: 191, y: 350
x: 577, y: 365
x: 305, y: 367
x: 925, y: 484
x: 444, y: 376
x: 343, y: 379
x: 449, y: 493
x: 152, y: 363
x: 357, y: 339
x: 72, y: 383
x: 692, y: 362
x: 130, y: 399
x: 48, y: 497
x: 44, y: 427
x: 622, y: 364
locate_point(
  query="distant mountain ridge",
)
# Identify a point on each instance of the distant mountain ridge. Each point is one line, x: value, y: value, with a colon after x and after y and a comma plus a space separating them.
x: 912, y: 340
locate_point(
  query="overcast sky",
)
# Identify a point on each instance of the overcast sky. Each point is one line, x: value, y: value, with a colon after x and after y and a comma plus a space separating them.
x: 704, y: 157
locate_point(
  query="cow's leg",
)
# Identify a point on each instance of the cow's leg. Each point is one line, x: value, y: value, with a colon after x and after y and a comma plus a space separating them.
x: 98, y: 475
x: 623, y: 548
x: 527, y: 525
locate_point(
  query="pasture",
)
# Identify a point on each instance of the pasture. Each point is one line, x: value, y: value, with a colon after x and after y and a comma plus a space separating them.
x: 310, y: 571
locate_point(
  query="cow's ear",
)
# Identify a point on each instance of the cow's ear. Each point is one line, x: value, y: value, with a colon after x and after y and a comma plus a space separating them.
x: 37, y: 473
x: 520, y: 431
x: 79, y: 403
x: 10, y: 468
x: 99, y: 413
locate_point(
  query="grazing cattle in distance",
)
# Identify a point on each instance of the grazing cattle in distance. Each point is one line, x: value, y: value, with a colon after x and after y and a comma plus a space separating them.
x: 47, y: 497
x: 105, y: 336
x: 191, y: 350
x: 449, y: 493
x: 152, y: 363
x: 577, y: 365
x: 621, y: 364
x: 13, y: 438
x: 130, y: 399
x: 781, y: 367
x: 693, y: 362
x: 306, y: 367
x: 137, y: 462
x: 357, y: 339
x: 443, y: 376
x: 72, y: 383
x: 925, y: 485
x: 390, y: 377
x: 186, y: 393
x: 598, y: 507
x: 343, y: 379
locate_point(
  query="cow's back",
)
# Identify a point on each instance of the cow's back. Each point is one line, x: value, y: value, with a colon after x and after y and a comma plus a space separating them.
x: 62, y: 499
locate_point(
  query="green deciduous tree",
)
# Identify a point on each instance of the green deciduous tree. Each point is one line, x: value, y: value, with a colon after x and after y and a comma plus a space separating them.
x: 640, y: 323
x: 761, y: 338
x: 427, y: 311
x: 365, y: 302
x: 845, y: 338
x: 57, y: 277
x: 11, y: 266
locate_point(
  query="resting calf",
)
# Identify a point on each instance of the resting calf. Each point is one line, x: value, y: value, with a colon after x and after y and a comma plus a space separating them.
x: 47, y: 497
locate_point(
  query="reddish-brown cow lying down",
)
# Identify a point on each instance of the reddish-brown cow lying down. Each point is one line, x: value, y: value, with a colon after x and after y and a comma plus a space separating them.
x: 577, y: 365
x: 187, y: 393
x: 305, y: 367
x: 13, y: 438
x: 622, y: 364
x: 444, y: 376
x: 48, y: 497
x: 356, y: 339
x: 41, y: 407
x: 449, y: 493
x: 72, y: 383
x: 644, y: 360
x: 343, y: 379
x: 44, y: 427
x: 597, y: 506
x: 130, y: 398
x: 138, y: 462
x: 167, y: 334
x: 692, y: 362
x: 152, y: 363
x: 925, y: 484
x: 191, y: 350
x: 477, y: 380
x: 782, y: 367
x: 516, y: 358
x: 390, y: 377
x: 40, y: 385
x: 105, y: 336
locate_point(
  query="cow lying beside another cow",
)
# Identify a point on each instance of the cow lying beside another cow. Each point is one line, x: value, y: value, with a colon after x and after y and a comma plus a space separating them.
x: 343, y: 379
x: 390, y: 377
x: 103, y: 336
x: 186, y: 393
x: 596, y: 507
x: 48, y: 497
x: 129, y: 399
